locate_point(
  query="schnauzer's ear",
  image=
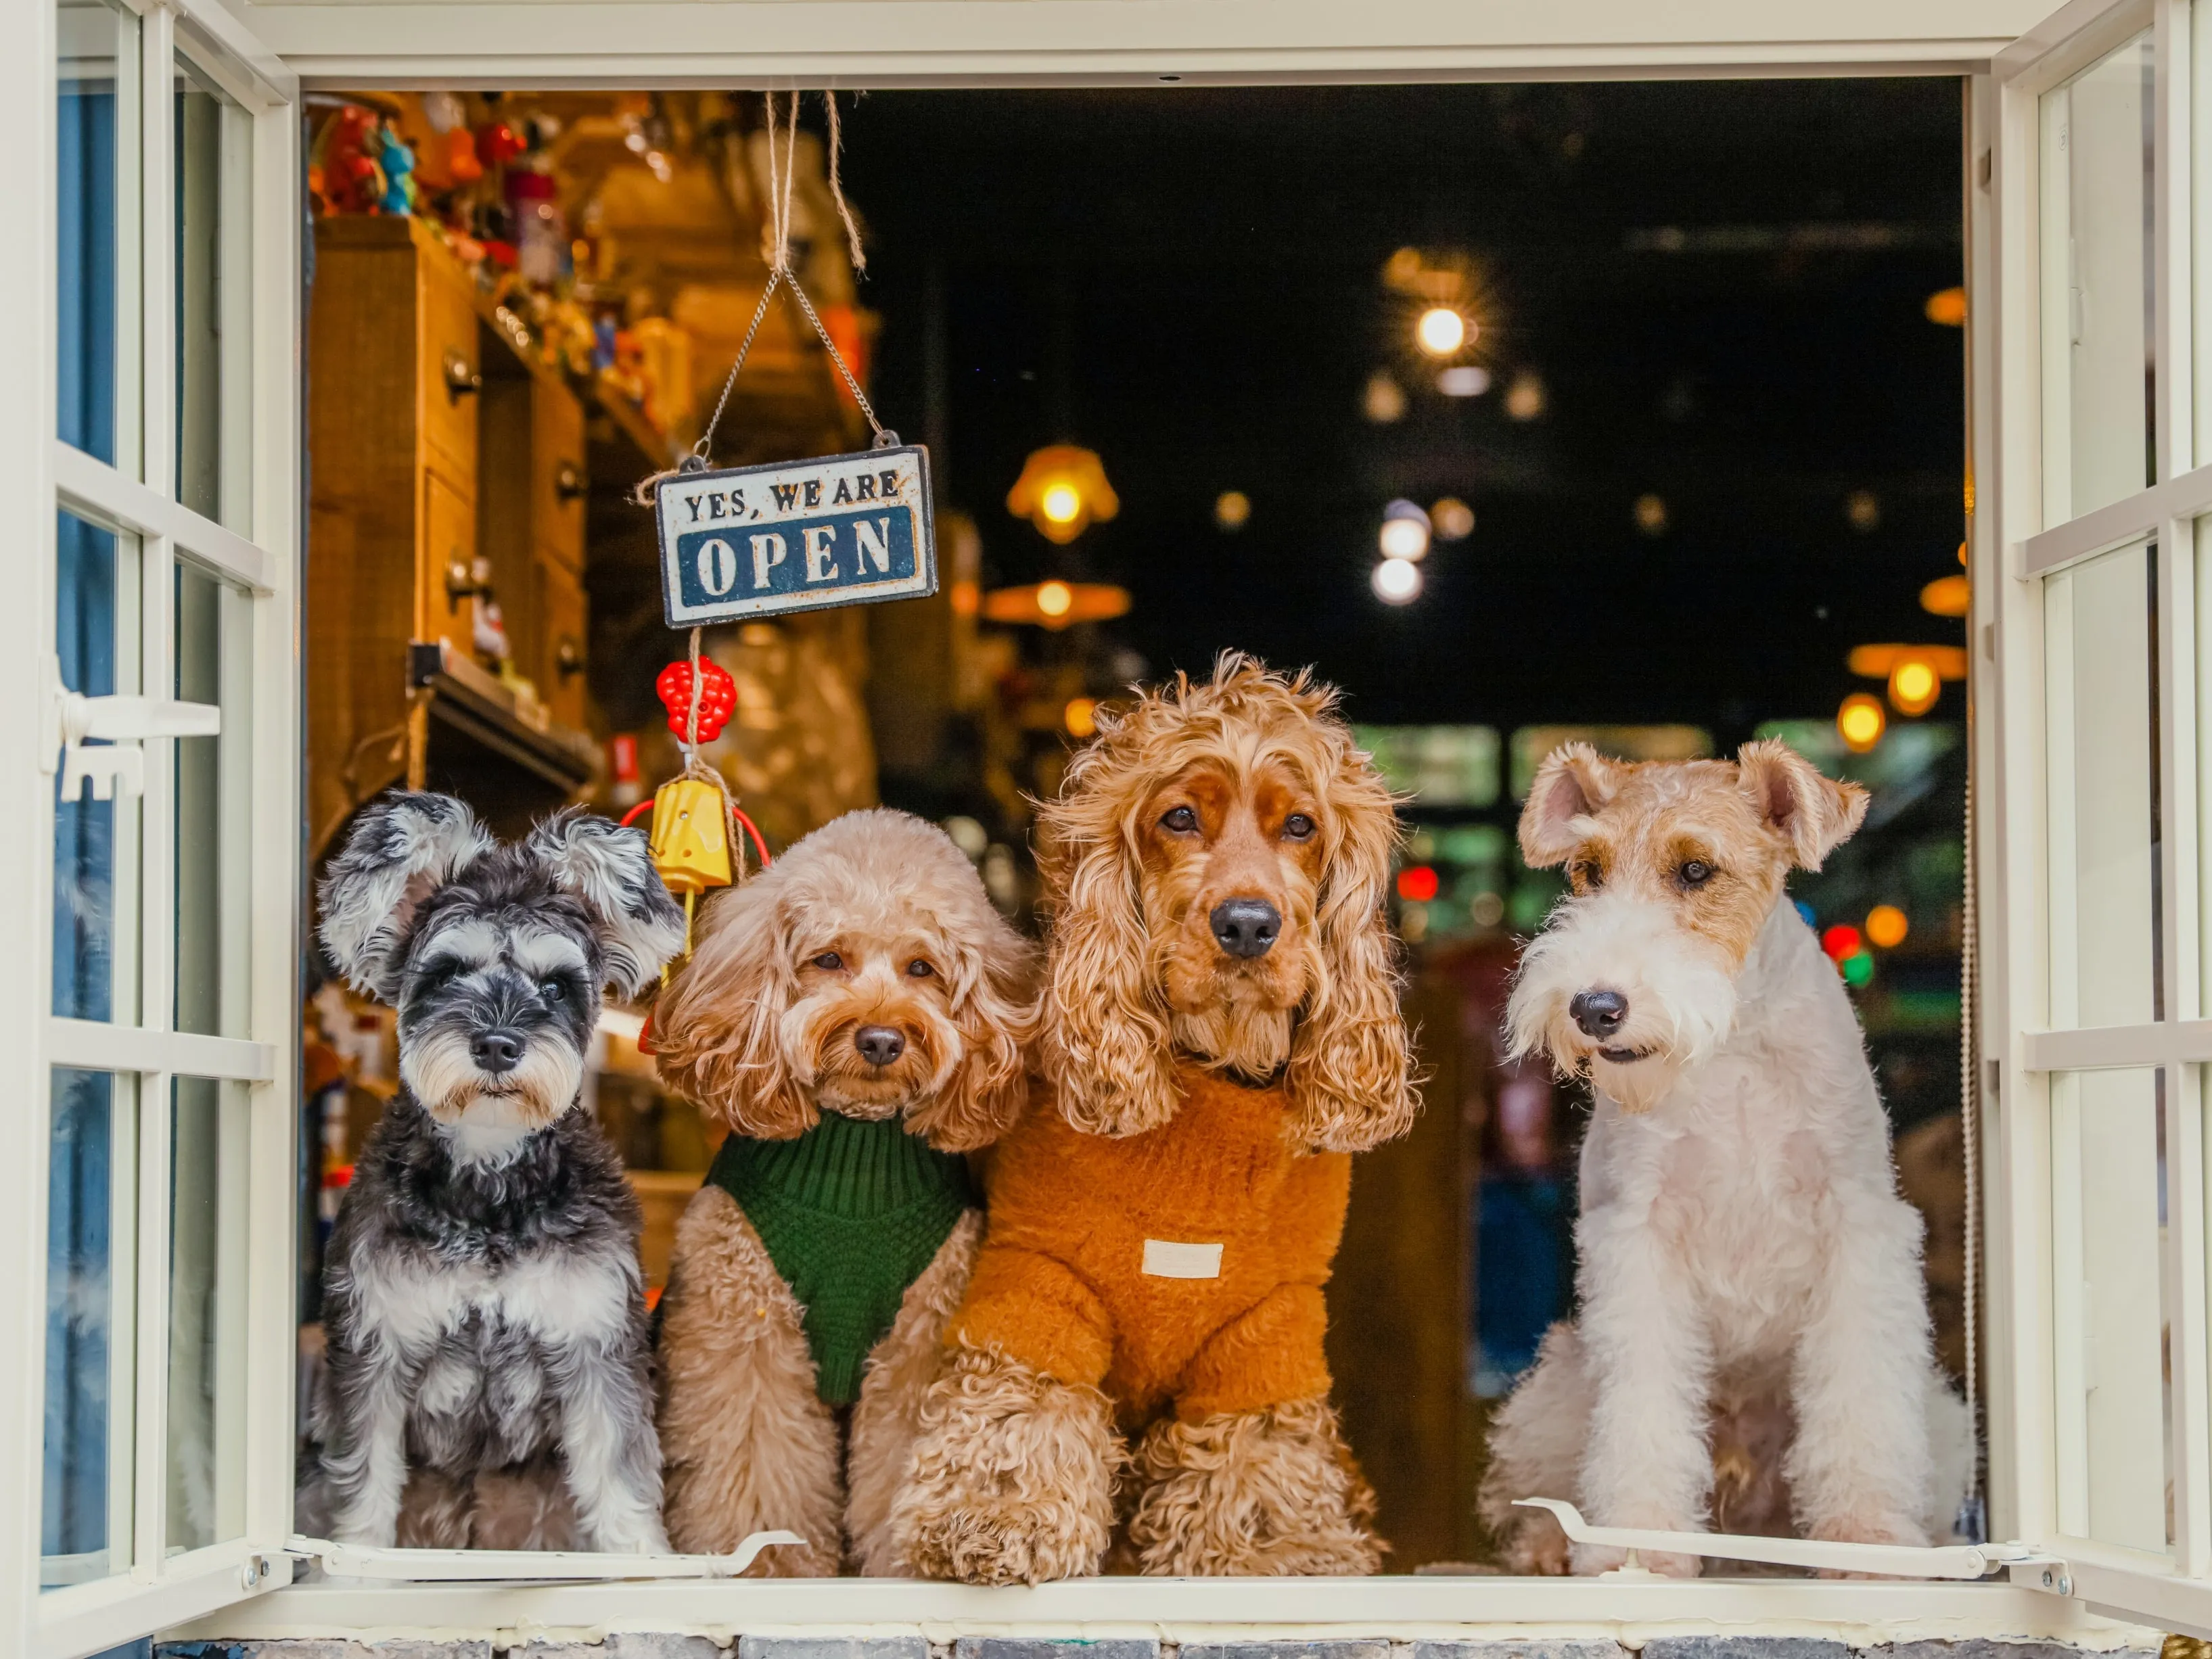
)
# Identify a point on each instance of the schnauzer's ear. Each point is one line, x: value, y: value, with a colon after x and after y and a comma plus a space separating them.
x: 1574, y: 782
x: 402, y: 848
x: 995, y: 1004
x: 1813, y: 814
x: 717, y: 1029
x: 610, y: 869
x: 1350, y: 1069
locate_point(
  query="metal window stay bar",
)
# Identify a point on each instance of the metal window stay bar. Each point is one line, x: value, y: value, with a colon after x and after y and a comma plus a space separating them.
x: 438, y: 1566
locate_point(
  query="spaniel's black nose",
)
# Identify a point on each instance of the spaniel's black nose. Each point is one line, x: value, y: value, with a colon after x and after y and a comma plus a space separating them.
x: 495, y: 1051
x: 1246, y: 927
x: 1600, y: 1013
x: 879, y: 1045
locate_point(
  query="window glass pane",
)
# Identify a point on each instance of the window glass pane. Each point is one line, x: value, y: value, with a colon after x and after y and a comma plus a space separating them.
x: 214, y: 340
x: 215, y: 848
x: 2099, y: 667
x: 85, y: 1526
x: 2108, y: 1164
x: 209, y: 1129
x: 2096, y: 279
x: 94, y: 638
x: 97, y: 47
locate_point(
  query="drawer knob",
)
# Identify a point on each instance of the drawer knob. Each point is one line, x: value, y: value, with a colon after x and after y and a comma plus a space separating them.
x: 568, y: 658
x: 569, y: 482
x: 464, y: 577
x: 461, y: 381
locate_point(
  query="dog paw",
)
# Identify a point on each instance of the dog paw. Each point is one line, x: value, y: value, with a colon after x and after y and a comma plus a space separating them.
x: 1012, y: 1478
x: 1589, y: 1559
x: 1270, y: 1493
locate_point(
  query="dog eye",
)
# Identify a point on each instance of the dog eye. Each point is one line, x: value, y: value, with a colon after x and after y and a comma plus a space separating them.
x: 1694, y: 872
x: 830, y: 962
x: 553, y: 990
x: 1298, y: 827
x: 1181, y: 820
x: 1586, y: 876
x: 919, y: 969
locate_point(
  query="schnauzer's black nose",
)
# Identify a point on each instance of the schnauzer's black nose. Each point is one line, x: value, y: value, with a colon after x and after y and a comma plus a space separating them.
x: 879, y: 1045
x: 1599, y: 1013
x: 495, y: 1051
x: 1246, y: 927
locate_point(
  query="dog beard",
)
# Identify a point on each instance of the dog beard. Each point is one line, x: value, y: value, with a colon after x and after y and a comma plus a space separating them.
x: 487, y: 1116
x: 1236, y: 1016
x: 1680, y: 994
x: 817, y: 1038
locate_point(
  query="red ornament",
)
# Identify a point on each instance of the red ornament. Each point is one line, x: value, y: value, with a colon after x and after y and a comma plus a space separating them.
x: 718, y: 697
x: 496, y: 142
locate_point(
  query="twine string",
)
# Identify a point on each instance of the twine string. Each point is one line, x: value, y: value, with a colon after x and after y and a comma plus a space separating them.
x: 775, y: 238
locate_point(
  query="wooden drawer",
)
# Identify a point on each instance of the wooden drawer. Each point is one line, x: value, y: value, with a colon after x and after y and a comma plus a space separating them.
x: 560, y: 616
x: 559, y: 476
x: 449, y: 538
x: 451, y: 367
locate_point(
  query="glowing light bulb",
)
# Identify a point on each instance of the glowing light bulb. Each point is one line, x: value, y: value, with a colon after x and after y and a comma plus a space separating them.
x: 1397, y: 582
x: 1061, y: 503
x: 1441, y: 331
x: 1914, y: 685
x: 1404, y: 538
x: 1860, y: 722
x: 1886, y: 926
x: 1054, y: 598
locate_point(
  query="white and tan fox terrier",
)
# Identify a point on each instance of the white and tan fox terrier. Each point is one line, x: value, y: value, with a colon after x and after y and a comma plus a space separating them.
x: 1752, y: 1352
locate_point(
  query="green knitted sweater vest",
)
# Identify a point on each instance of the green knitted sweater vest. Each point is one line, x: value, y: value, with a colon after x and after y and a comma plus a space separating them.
x: 852, y: 1213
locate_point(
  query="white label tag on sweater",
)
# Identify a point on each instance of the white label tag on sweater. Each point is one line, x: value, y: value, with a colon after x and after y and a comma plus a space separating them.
x: 1164, y: 1259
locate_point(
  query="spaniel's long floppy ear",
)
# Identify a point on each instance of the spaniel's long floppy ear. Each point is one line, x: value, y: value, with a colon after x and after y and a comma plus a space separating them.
x: 402, y: 848
x: 716, y: 1028
x: 610, y: 869
x: 1574, y: 782
x: 994, y: 1003
x: 1812, y: 813
x: 1107, y: 1040
x: 1351, y: 1070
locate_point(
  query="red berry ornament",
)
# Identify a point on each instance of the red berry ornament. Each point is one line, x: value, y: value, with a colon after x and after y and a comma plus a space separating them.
x: 718, y: 698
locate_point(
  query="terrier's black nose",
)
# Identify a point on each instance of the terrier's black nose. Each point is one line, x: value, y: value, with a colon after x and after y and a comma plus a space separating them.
x: 495, y: 1051
x: 1246, y: 927
x: 1600, y: 1013
x: 879, y: 1045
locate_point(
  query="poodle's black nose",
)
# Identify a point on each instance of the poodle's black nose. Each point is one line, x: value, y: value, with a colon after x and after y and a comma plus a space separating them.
x: 1246, y: 927
x: 495, y: 1051
x: 1600, y: 1013
x: 879, y: 1045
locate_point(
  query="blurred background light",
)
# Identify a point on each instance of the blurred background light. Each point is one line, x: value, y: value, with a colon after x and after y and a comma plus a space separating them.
x: 1405, y: 533
x: 1887, y: 927
x: 1397, y: 582
x: 1525, y: 398
x: 1464, y: 381
x: 1384, y: 399
x: 1947, y: 306
x: 1418, y: 884
x: 1860, y: 721
x: 1452, y: 518
x: 1947, y: 596
x: 1061, y: 491
x: 1441, y: 332
x: 1232, y: 509
x: 1651, y: 514
x: 1914, y: 685
x: 1081, y: 717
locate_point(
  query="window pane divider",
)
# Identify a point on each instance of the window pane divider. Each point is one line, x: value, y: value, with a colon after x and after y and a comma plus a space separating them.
x: 94, y: 1045
x: 87, y: 485
x: 2132, y: 518
x: 2109, y: 1047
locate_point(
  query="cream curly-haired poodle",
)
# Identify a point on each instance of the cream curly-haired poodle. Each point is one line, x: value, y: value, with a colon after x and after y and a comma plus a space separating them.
x: 1221, y: 1027
x: 1752, y: 1352
x: 857, y: 1013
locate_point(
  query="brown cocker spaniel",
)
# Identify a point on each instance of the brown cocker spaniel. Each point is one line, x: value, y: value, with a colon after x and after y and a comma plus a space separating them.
x: 1220, y: 1028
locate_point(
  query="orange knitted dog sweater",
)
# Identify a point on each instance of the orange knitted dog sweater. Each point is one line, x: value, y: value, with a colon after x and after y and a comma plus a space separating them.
x: 1181, y: 1265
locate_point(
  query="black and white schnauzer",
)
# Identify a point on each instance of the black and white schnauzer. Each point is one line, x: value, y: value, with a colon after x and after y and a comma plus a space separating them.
x: 489, y: 1366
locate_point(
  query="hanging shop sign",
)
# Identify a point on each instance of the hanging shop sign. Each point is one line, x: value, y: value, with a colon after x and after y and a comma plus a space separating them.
x: 763, y: 541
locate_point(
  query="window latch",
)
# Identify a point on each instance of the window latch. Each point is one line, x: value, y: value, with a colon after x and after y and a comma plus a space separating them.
x: 97, y: 740
x: 2025, y: 1565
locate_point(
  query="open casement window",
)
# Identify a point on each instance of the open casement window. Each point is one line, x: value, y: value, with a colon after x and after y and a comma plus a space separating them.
x: 163, y: 988
x: 2090, y: 159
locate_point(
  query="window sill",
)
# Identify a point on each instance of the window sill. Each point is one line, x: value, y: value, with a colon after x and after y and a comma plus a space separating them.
x: 1860, y: 1613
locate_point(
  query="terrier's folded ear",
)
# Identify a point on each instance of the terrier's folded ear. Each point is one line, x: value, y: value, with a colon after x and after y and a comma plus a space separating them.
x: 402, y: 848
x: 610, y: 869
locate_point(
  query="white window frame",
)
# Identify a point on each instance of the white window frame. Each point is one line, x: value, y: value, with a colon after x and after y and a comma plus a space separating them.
x: 135, y: 497
x: 848, y: 43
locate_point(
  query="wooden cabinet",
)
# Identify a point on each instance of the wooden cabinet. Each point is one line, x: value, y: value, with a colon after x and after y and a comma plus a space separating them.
x: 444, y: 473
